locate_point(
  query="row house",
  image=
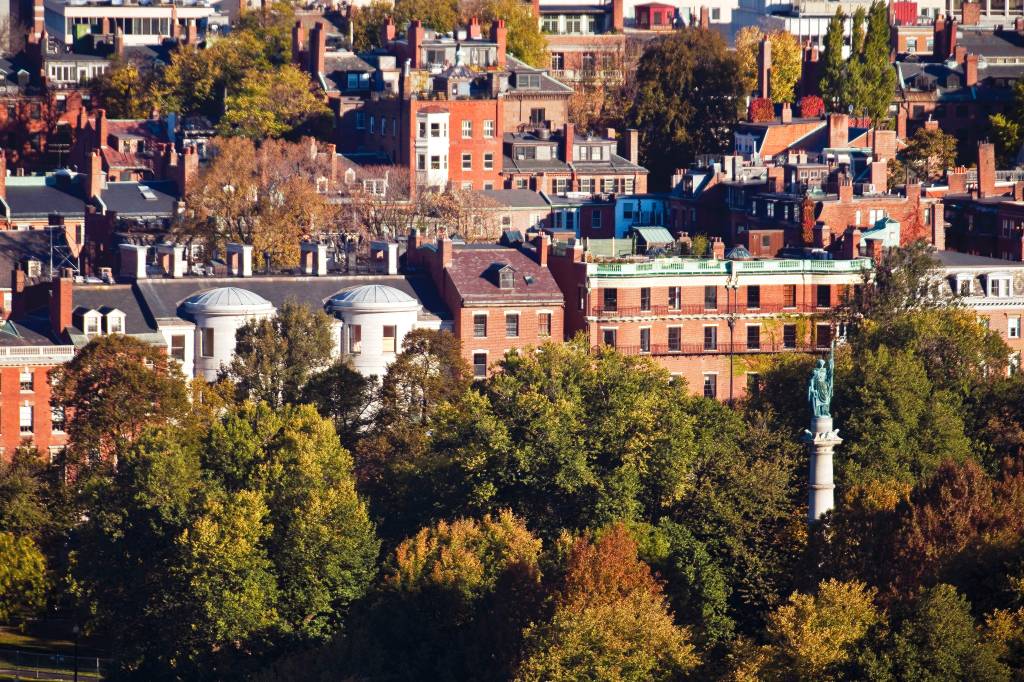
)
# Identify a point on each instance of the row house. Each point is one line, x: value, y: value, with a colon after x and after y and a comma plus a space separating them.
x: 586, y: 41
x: 712, y: 321
x: 139, y: 23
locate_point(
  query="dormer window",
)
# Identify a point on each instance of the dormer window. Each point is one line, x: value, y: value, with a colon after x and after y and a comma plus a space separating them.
x: 1000, y: 286
x: 91, y: 323
x: 113, y: 321
x: 964, y: 284
x: 506, y: 277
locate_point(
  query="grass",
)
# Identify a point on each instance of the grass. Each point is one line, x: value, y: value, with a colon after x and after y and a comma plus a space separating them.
x: 12, y: 639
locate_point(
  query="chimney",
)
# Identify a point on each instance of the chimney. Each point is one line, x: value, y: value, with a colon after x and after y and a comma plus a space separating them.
x: 239, y: 259
x: 838, y: 131
x: 445, y: 248
x: 535, y: 4
x: 499, y: 34
x: 187, y: 169
x: 96, y: 177
x: 956, y: 180
x: 317, y: 48
x: 133, y: 261
x: 845, y: 189
x: 474, y: 30
x: 971, y: 70
x: 17, y: 310
x: 851, y: 245
x: 822, y: 235
x: 986, y: 169
x: 1018, y: 24
x: 629, y: 145
x: 764, y: 65
x: 959, y: 54
x: 415, y: 37
x: 543, y: 245
x: 119, y: 43
x: 38, y: 18
x: 875, y: 249
x: 298, y: 42
x: 314, y: 258
x: 3, y: 174
x: 610, y: 133
x: 388, y: 32
x: 884, y: 144
x: 970, y: 13
x: 880, y: 175
x: 384, y: 256
x: 100, y: 127
x: 787, y: 113
x: 1018, y: 191
x: 568, y: 139
x: 175, y: 27
x: 61, y: 303
x: 705, y: 18
x: 717, y: 248
x: 171, y: 259
x: 415, y: 242
x: 951, y: 29
x: 617, y: 22
x: 939, y: 226
x: 913, y: 193
x: 192, y: 33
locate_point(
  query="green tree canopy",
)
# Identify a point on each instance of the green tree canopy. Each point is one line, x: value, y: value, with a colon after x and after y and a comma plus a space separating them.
x: 22, y: 577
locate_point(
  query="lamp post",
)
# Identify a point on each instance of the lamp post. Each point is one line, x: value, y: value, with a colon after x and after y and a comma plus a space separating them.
x: 731, y: 300
x: 76, y: 630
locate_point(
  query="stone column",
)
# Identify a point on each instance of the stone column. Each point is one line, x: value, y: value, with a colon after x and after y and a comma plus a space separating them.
x: 821, y: 439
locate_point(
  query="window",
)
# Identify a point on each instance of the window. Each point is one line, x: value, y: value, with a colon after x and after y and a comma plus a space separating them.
x: 754, y: 296
x: 355, y: 339
x: 544, y: 324
x: 480, y: 326
x: 645, y: 340
x: 373, y: 124
x: 388, y: 342
x: 557, y: 61
x: 1013, y: 328
x: 608, y: 187
x: 115, y: 324
x: 823, y: 335
x: 595, y: 220
x: 766, y: 241
x: 560, y: 185
x: 421, y: 162
x: 488, y: 160
x: 206, y: 342
x: 467, y: 130
x: 178, y: 347
x: 512, y: 325
x: 675, y: 298
x: 608, y: 337
x: 964, y: 286
x: 422, y: 129
x: 488, y: 129
x: 999, y: 287
x: 467, y: 161
x: 645, y: 299
x: 25, y: 416
x: 479, y: 365
x: 789, y: 336
x: 711, y: 386
x: 92, y: 325
x: 435, y: 128
x: 710, y: 297
x: 711, y: 338
x: 789, y: 296
x: 824, y: 295
x: 675, y: 339
x: 435, y: 162
x: 537, y: 116
x: 754, y: 337
x: 26, y: 380
x: 611, y: 299
x: 57, y: 419
x: 574, y: 23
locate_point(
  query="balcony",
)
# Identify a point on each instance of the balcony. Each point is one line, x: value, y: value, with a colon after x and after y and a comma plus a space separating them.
x: 702, y: 266
x: 722, y: 349
x: 698, y: 309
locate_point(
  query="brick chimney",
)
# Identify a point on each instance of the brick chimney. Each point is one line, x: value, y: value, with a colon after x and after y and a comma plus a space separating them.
x: 388, y: 31
x: 822, y: 235
x: 956, y: 180
x: 187, y: 169
x: 61, y: 303
x: 629, y: 145
x: 1018, y: 191
x: 568, y: 139
x: 705, y: 18
x: 838, y: 131
x: 971, y: 70
x: 717, y: 248
x: 543, y: 246
x: 445, y: 251
x: 617, y: 21
x: 192, y: 33
x: 415, y: 37
x: 845, y: 189
x: 880, y: 175
x: 38, y: 18
x: 175, y: 28
x: 96, y: 176
x: 884, y: 144
x: 959, y: 54
x: 764, y: 66
x: 18, y: 306
x: 317, y: 47
x: 938, y: 226
x: 913, y: 193
x: 970, y: 13
x: 787, y: 113
x: 986, y: 169
x: 851, y: 245
x: 100, y: 126
x: 119, y: 43
x: 499, y: 34
x: 298, y: 42
x: 474, y: 30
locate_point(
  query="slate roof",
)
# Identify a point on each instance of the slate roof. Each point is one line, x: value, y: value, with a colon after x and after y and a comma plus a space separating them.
x: 125, y: 297
x: 33, y: 330
x: 127, y: 199
x: 992, y: 43
x: 18, y: 245
x: 955, y: 259
x: 37, y: 200
x: 515, y: 198
x: 472, y: 273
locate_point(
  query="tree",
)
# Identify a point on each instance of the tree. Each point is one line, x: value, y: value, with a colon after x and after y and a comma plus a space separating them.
x: 524, y: 38
x: 1008, y: 129
x: 877, y: 73
x: 376, y: 212
x: 189, y: 84
x: 22, y: 577
x: 270, y: 104
x: 124, y: 92
x: 113, y: 389
x: 787, y: 58
x: 813, y: 636
x: 428, y: 372
x: 905, y: 280
x: 688, y: 97
x: 274, y: 357
x: 265, y: 196
x: 22, y: 502
x: 610, y: 621
x: 747, y: 43
x: 929, y: 153
x: 761, y: 109
x: 811, y: 106
x: 466, y: 213
x: 368, y: 22
x: 441, y: 16
x: 343, y: 395
x: 833, y: 75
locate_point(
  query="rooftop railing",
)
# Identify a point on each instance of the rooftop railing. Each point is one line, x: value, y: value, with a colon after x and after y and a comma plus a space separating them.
x: 697, y: 266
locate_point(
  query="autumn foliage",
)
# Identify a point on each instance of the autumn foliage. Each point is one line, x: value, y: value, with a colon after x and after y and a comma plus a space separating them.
x: 761, y: 109
x: 811, y: 106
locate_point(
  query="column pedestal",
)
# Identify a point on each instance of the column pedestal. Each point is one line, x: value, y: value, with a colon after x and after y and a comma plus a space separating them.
x: 821, y: 439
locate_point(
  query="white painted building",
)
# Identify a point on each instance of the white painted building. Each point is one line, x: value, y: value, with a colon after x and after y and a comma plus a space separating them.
x: 374, y: 321
x: 218, y: 314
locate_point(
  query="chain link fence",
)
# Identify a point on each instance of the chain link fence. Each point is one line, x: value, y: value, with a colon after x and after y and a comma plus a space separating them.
x: 33, y: 665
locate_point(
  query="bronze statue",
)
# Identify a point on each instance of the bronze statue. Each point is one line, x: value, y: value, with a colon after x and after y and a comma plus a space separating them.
x: 819, y: 388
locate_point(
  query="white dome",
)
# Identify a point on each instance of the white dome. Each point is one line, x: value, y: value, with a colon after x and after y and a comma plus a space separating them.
x: 228, y: 300
x: 372, y: 297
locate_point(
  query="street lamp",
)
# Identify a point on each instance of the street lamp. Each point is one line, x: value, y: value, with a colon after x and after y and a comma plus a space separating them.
x: 731, y: 292
x: 76, y: 630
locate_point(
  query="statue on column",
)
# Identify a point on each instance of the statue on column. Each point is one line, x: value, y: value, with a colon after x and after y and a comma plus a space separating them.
x: 819, y: 388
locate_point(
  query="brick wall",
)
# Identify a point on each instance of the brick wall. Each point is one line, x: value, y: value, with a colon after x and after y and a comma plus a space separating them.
x: 12, y: 398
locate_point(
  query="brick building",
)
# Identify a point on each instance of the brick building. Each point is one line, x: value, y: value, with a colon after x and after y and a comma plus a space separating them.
x: 500, y: 297
x: 586, y: 41
x: 711, y: 321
